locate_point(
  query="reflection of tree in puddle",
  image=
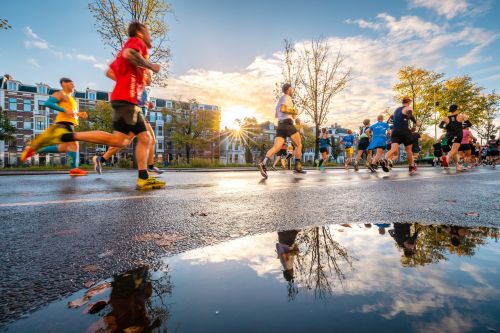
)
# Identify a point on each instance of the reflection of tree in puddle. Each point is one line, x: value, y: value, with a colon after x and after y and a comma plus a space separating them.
x: 320, y: 264
x: 137, y: 302
x: 428, y: 244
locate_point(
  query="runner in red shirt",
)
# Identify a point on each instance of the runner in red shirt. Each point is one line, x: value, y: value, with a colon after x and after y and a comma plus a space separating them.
x: 128, y: 70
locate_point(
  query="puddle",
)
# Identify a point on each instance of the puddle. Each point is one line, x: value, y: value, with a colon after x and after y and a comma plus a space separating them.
x: 344, y: 278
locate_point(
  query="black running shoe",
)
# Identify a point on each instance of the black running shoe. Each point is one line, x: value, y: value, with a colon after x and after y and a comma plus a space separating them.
x: 384, y: 165
x: 263, y: 170
x: 372, y: 167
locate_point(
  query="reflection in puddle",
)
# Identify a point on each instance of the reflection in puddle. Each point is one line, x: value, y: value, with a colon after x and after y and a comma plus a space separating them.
x: 350, y: 277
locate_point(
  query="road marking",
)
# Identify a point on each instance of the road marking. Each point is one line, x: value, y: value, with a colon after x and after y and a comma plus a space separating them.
x: 41, y: 203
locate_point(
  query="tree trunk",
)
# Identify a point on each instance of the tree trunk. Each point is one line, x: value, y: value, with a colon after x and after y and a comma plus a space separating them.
x: 188, y: 153
x: 316, y: 144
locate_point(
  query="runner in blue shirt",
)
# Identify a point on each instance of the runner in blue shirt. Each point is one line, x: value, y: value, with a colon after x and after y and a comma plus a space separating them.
x: 378, y: 143
x: 348, y: 142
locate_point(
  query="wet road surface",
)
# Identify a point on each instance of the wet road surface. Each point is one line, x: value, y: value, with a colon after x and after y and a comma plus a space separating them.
x: 59, y: 234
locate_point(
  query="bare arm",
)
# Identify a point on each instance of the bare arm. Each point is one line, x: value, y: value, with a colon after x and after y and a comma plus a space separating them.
x: 135, y: 58
x: 111, y: 74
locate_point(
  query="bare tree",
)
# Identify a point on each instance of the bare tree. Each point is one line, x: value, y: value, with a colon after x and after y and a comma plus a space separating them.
x: 113, y: 16
x: 318, y: 75
x: 324, y: 263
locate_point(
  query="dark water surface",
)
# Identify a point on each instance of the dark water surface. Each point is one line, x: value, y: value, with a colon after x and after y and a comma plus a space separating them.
x: 343, y: 278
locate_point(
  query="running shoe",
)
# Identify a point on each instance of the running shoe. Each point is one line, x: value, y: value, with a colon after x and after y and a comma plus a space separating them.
x: 298, y: 168
x: 390, y: 164
x: 156, y: 170
x: 322, y: 168
x: 273, y: 168
x: 444, y: 162
x: 346, y: 167
x: 150, y: 183
x: 412, y: 170
x: 373, y: 167
x: 263, y: 170
x: 27, y: 153
x: 384, y: 165
x: 77, y: 172
x: 356, y: 166
x: 97, y: 164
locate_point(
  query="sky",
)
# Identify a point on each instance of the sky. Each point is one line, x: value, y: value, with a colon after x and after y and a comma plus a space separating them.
x: 229, y: 53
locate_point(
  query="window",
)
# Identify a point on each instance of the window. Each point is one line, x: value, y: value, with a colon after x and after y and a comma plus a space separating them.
x: 91, y: 95
x: 42, y: 90
x: 41, y: 106
x: 159, y: 116
x: 27, y: 123
x: 152, y: 117
x: 13, y: 123
x: 27, y: 105
x: 40, y: 123
x: 12, y: 85
x: 168, y: 104
x: 168, y: 118
x: 159, y: 130
x: 13, y: 104
x: 159, y: 146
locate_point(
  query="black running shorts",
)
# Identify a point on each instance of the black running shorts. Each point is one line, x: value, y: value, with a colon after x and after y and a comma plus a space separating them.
x: 401, y: 136
x: 492, y: 152
x: 464, y: 147
x: 285, y: 129
x: 363, y: 143
x: 451, y: 139
x: 282, y: 152
x: 128, y: 117
x: 323, y: 150
x: 64, y: 124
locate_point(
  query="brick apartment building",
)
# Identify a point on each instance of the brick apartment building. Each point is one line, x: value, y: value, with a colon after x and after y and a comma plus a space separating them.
x: 25, y: 108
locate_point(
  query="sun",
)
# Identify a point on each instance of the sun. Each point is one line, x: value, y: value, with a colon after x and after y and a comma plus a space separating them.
x: 231, y: 115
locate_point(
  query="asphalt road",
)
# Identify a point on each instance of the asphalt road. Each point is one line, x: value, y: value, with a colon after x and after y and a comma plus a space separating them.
x: 57, y: 232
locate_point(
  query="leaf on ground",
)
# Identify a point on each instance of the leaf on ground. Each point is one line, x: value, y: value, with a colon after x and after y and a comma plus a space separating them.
x: 451, y: 201
x: 472, y: 214
x: 78, y: 302
x: 91, y: 268
x: 346, y: 225
x: 88, y: 284
x: 160, y: 239
x: 99, y: 289
x: 199, y: 214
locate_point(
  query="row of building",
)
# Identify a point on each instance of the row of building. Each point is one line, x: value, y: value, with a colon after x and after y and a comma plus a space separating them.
x: 26, y: 111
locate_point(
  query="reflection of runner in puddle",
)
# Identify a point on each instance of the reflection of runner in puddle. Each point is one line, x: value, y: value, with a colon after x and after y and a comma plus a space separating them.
x: 287, y: 249
x: 457, y: 234
x: 404, y: 237
x: 128, y: 299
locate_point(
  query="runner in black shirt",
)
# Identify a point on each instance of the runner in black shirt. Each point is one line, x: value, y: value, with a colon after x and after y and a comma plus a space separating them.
x: 453, y: 123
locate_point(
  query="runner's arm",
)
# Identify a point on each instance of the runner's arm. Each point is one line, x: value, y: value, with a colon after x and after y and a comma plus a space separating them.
x: 111, y: 74
x: 137, y: 59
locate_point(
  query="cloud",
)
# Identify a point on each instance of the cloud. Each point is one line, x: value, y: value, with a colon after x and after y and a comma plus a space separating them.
x: 34, y: 40
x: 447, y: 8
x: 84, y: 57
x: 101, y: 67
x: 399, y: 42
x: 33, y: 62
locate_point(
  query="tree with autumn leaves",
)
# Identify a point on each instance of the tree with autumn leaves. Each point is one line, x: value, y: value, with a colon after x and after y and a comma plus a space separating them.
x: 432, y: 95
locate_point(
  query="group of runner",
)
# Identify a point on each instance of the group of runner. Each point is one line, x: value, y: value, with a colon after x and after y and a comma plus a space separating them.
x: 131, y: 71
x: 380, y: 141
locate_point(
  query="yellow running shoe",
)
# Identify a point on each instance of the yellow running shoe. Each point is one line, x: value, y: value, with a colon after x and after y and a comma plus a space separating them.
x: 149, y: 184
x: 52, y: 136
